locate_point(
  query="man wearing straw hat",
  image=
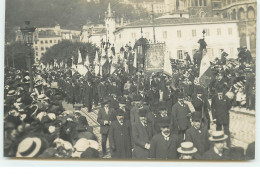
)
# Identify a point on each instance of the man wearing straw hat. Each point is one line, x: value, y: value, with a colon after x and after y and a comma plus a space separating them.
x: 187, y: 150
x: 218, y: 151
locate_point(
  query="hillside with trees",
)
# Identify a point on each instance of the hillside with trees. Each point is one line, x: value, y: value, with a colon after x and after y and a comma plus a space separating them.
x: 70, y: 14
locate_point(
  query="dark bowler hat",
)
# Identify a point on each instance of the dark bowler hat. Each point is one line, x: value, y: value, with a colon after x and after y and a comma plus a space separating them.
x: 165, y: 122
x: 142, y: 112
x: 196, y: 116
x: 180, y: 95
x: 105, y: 101
x: 120, y: 112
x: 162, y: 106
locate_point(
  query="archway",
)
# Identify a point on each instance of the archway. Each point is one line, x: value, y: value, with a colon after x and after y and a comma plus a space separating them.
x: 234, y: 14
x: 241, y: 14
x: 251, y: 12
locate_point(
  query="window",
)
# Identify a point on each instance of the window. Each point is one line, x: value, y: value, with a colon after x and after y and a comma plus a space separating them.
x: 120, y: 36
x: 180, y: 54
x: 207, y: 32
x: 42, y: 48
x: 50, y: 41
x: 36, y: 48
x: 36, y: 54
x: 179, y: 34
x: 35, y: 42
x: 165, y: 34
x: 133, y: 35
x: 46, y: 48
x: 218, y: 31
x: 194, y: 33
x: 55, y: 41
x: 229, y: 31
x: 58, y: 41
x: 42, y: 54
x: 46, y: 41
x: 41, y: 42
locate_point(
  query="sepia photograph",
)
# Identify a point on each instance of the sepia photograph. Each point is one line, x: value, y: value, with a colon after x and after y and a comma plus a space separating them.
x: 130, y: 80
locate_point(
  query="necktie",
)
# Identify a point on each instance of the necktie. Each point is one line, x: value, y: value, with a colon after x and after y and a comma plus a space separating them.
x: 166, y: 138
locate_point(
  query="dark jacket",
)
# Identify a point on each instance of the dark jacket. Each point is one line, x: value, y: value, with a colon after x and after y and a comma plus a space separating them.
x: 162, y: 149
x: 220, y: 109
x: 120, y: 140
x: 141, y: 136
x: 102, y: 116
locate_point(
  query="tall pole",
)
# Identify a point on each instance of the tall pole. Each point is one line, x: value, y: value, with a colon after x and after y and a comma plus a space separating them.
x: 154, y: 40
x: 30, y: 68
x: 13, y: 55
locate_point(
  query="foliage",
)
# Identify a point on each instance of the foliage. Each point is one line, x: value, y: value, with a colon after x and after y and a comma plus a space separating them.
x: 70, y: 14
x: 66, y: 49
x: 17, y: 55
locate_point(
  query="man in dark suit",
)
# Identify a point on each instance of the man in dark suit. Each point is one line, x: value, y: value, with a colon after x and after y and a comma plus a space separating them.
x: 164, y: 145
x: 142, y: 134
x: 88, y: 94
x: 120, y: 137
x: 220, y: 107
x: 218, y: 150
x: 105, y: 117
x: 180, y: 121
x: 137, y: 103
x: 198, y: 135
x: 102, y: 89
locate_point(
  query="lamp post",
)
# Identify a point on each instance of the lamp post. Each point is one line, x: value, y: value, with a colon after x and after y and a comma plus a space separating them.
x: 203, y: 32
x: 27, y: 32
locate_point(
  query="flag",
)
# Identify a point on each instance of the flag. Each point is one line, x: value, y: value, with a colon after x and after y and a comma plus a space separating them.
x: 135, y: 60
x: 96, y: 60
x: 206, y: 73
x: 86, y: 63
x: 167, y: 67
x: 81, y: 69
x: 79, y: 58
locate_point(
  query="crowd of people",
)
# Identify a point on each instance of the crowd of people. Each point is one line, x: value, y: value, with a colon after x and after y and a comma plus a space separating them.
x: 143, y: 116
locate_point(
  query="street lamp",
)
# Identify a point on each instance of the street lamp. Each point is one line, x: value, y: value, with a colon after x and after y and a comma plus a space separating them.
x: 203, y: 32
x: 27, y: 32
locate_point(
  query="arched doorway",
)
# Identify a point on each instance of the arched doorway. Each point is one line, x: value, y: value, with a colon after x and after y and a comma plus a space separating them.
x: 251, y: 13
x: 241, y: 14
x: 234, y: 14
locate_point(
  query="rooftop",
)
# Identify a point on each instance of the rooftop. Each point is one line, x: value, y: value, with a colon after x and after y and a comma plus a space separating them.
x: 175, y: 22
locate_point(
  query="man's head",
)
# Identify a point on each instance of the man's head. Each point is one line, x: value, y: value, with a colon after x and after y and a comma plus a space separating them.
x: 196, y: 119
x: 219, y: 139
x: 120, y: 115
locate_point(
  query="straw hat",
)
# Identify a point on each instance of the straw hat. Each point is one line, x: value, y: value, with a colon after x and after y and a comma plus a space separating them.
x: 29, y: 147
x: 187, y: 148
x: 218, y: 136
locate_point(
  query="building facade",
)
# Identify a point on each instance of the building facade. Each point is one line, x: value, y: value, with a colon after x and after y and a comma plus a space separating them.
x: 44, y: 38
x: 182, y: 34
x: 245, y: 11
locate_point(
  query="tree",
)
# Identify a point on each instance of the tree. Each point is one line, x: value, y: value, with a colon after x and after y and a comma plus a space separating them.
x: 17, y: 55
x: 66, y: 49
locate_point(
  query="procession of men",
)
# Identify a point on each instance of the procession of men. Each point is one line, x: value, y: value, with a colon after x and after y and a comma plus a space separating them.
x: 140, y: 115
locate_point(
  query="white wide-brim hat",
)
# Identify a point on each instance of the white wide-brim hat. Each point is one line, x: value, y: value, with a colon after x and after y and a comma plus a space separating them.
x: 29, y: 147
x: 187, y: 148
x: 218, y: 136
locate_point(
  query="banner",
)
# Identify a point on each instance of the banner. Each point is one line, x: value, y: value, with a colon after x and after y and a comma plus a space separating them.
x: 155, y: 57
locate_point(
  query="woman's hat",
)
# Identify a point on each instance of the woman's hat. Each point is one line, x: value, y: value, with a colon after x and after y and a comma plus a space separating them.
x: 218, y: 136
x: 29, y: 147
x: 187, y: 148
x: 11, y: 93
x: 81, y: 145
